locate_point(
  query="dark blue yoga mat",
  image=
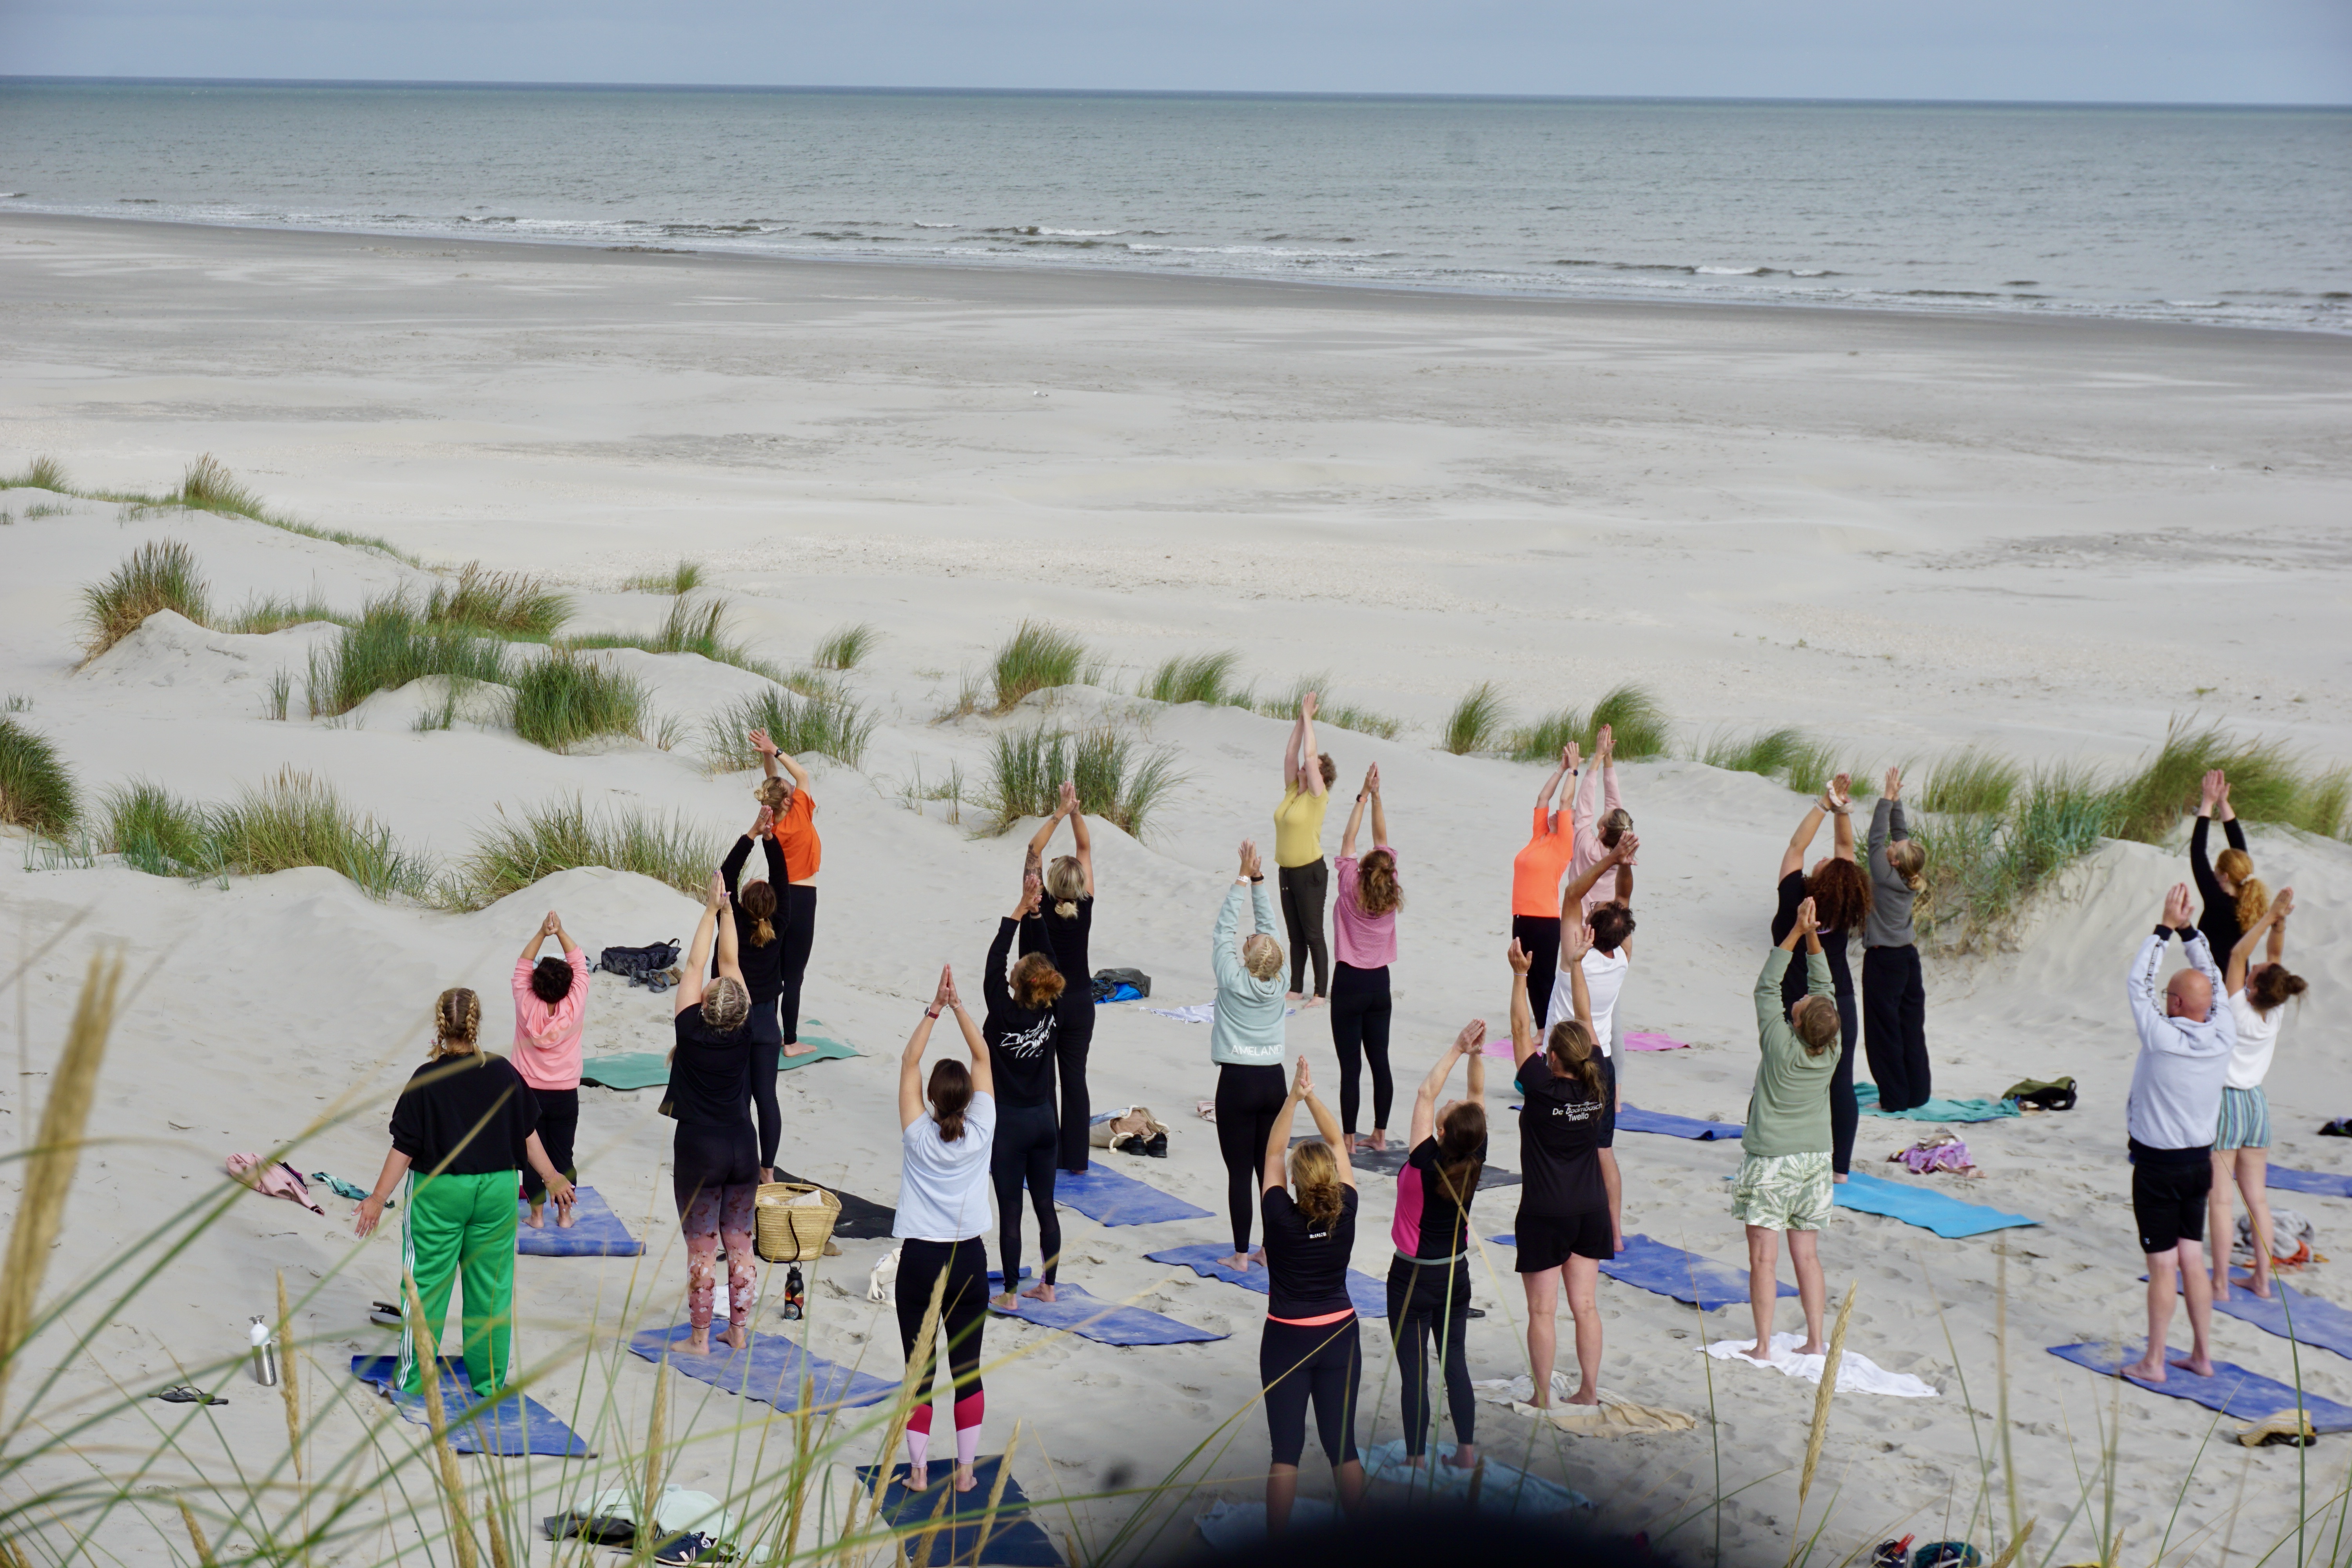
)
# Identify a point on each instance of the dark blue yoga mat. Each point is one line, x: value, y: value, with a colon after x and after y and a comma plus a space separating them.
x: 1632, y: 1118
x: 1370, y: 1296
x: 2315, y: 1321
x: 1013, y: 1539
x: 2231, y: 1390
x: 1929, y: 1210
x: 770, y: 1372
x: 1681, y: 1276
x: 2327, y: 1183
x: 517, y: 1423
x: 1106, y: 1198
x: 1105, y: 1322
x: 596, y: 1231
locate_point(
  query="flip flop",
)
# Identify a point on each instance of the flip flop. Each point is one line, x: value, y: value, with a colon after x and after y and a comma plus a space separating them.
x: 181, y: 1393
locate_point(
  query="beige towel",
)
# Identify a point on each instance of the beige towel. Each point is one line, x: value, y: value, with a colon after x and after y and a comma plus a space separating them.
x: 1614, y: 1416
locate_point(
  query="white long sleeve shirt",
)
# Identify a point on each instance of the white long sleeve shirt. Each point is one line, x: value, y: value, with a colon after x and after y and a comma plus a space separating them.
x: 2175, y: 1088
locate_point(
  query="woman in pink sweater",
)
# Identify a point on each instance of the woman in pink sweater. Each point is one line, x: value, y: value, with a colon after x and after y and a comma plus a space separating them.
x: 551, y: 1003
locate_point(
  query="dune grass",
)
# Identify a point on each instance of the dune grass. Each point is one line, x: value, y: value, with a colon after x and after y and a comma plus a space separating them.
x: 290, y: 820
x: 566, y: 698
x: 36, y: 788
x: 392, y: 645
x: 1117, y: 781
x: 1196, y: 678
x: 161, y: 575
x: 1037, y: 658
x: 1476, y: 721
x: 829, y: 723
x: 690, y: 626
x: 1812, y: 766
x: 845, y: 647
x: 677, y: 582
x: 1765, y: 752
x: 1970, y: 780
x: 264, y: 614
x: 44, y: 473
x: 1337, y: 715
x: 1637, y: 725
x: 205, y: 486
x: 2268, y: 783
x: 510, y: 605
x: 563, y: 834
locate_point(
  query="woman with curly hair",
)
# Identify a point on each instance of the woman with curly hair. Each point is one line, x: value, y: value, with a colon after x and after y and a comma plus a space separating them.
x: 2234, y: 899
x: 1364, y: 927
x: 1840, y: 891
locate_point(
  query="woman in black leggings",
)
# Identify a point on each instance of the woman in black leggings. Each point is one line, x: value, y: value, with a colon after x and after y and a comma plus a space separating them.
x: 1068, y: 922
x: 1309, y: 1352
x: 1301, y: 871
x: 762, y: 956
x: 1246, y: 1041
x: 1363, y: 927
x: 1429, y: 1278
x: 1020, y: 1035
x: 1840, y: 889
x: 786, y: 791
x: 714, y: 1152
x: 943, y: 1214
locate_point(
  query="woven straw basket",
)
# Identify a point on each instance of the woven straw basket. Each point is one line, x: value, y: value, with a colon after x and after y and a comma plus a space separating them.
x: 788, y: 1232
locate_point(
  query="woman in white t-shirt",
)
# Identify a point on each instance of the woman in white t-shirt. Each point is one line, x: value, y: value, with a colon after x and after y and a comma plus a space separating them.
x: 942, y: 1216
x: 2241, y: 1143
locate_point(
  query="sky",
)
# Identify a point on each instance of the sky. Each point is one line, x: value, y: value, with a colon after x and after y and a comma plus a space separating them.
x: 2176, y: 51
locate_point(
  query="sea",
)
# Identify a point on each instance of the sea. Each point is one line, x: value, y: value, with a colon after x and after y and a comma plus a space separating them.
x: 2234, y: 216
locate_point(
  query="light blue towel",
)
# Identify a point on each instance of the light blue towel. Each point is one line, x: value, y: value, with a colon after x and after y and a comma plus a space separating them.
x: 1865, y: 1095
x: 1929, y: 1210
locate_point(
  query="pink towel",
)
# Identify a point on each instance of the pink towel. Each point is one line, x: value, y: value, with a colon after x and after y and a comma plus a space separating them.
x: 279, y: 1179
x: 1656, y: 1042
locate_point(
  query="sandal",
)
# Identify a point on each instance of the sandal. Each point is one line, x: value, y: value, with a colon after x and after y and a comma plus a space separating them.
x: 181, y: 1393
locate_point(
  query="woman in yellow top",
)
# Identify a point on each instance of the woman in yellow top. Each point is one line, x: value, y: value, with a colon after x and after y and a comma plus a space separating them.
x: 1300, y: 870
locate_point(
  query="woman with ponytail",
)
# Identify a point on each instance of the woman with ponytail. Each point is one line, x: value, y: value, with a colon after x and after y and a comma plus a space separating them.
x: 1429, y: 1278
x: 2241, y: 1146
x: 1063, y: 932
x: 760, y: 955
x: 1893, y: 992
x: 462, y: 1128
x: 1363, y: 926
x: 715, y: 1152
x: 551, y: 1007
x: 2234, y: 896
x: 786, y: 791
x: 1564, y: 1227
x: 1309, y: 1352
x: 942, y: 1223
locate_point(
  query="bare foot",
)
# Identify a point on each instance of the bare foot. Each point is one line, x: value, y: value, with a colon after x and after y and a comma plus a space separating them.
x: 1008, y: 1302
x: 918, y: 1476
x: 1466, y: 1457
x: 1238, y: 1263
x: 2149, y: 1368
x: 2220, y: 1287
x: 1380, y: 1140
x: 965, y: 1478
x: 537, y: 1218
x: 1760, y: 1354
x: 1312, y: 1001
x: 1041, y: 1291
x: 737, y: 1337
x: 1585, y: 1396
x: 1815, y: 1348
x: 1294, y: 996
x: 1839, y: 1180
x: 566, y: 1218
x: 698, y: 1342
x: 2201, y: 1365
x: 799, y: 1050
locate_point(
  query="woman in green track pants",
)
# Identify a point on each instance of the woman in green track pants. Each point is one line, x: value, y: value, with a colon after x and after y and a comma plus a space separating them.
x: 461, y: 1134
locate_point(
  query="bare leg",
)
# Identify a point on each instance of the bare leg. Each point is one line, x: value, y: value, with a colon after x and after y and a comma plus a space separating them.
x: 1763, y: 1287
x: 1043, y: 1290
x: 2254, y: 1171
x: 1583, y: 1276
x: 1613, y: 1183
x: 2218, y: 1218
x: 1813, y: 1293
x: 1349, y: 1477
x: 1281, y: 1491
x: 537, y: 1219
x: 2200, y: 1292
x: 2162, y: 1289
x: 1543, y: 1331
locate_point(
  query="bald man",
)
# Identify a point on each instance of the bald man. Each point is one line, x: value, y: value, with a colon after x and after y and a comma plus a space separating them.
x: 2185, y: 1042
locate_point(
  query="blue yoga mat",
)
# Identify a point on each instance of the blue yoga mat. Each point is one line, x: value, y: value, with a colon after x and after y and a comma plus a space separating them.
x: 1865, y: 1095
x: 650, y: 1069
x: 1370, y: 1296
x: 770, y: 1372
x: 1105, y: 1322
x: 517, y: 1423
x: 2231, y: 1390
x: 1947, y: 1216
x: 1681, y: 1276
x: 1633, y: 1119
x: 1106, y: 1198
x: 596, y: 1231
x: 2327, y: 1183
x: 1013, y: 1541
x: 2315, y: 1321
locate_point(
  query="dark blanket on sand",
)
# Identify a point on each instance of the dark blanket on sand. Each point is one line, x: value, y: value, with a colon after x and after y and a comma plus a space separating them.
x: 862, y: 1219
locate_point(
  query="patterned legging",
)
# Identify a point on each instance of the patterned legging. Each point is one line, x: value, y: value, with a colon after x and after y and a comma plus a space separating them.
x: 710, y: 1214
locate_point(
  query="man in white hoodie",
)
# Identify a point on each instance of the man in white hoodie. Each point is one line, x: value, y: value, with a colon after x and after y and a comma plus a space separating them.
x: 2185, y: 1044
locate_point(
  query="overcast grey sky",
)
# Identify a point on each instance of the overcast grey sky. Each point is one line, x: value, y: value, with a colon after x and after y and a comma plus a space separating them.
x: 2234, y: 51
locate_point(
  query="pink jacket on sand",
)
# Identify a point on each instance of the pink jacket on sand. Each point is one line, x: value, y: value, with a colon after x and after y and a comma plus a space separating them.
x: 547, y: 1039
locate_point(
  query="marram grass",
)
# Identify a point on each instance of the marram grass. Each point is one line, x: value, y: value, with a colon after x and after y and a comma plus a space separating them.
x: 567, y: 699
x: 1637, y: 721
x: 392, y: 645
x: 1117, y: 781
x: 1476, y: 721
x: 518, y: 850
x: 827, y: 723
x: 36, y: 788
x: 1037, y: 658
x: 161, y: 575
x: 1196, y: 678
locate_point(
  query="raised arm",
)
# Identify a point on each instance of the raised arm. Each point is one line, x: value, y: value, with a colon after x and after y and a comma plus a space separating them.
x: 1224, y: 942
x: 1559, y: 775
x: 2271, y: 927
x: 1792, y: 858
x: 730, y: 966
x: 1840, y: 801
x: 993, y: 990
x: 1575, y: 942
x: 910, y: 1060
x: 1605, y: 742
x: 1379, y: 809
x: 767, y: 750
x: 1081, y: 840
x: 697, y: 953
x: 1356, y: 821
x: 1523, y: 1019
x: 547, y: 927
x: 1310, y: 760
x: 1572, y: 897
x: 1469, y: 1043
x: 730, y: 871
x: 1033, y: 862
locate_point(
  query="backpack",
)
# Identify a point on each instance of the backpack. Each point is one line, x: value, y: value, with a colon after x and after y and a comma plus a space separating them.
x: 2058, y: 1094
x: 1121, y: 985
x: 641, y: 966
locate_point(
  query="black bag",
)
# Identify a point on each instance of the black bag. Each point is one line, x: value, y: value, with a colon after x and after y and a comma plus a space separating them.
x: 2056, y: 1094
x: 640, y: 966
x: 1107, y: 983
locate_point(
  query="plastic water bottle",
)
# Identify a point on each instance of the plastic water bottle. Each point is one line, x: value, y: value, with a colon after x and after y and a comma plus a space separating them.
x: 265, y: 1355
x: 794, y: 1295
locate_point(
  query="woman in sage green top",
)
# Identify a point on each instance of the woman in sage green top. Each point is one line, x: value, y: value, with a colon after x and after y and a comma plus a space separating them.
x: 1300, y: 870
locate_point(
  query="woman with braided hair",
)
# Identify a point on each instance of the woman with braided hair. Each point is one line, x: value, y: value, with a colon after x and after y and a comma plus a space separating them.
x: 715, y: 1152
x: 462, y: 1130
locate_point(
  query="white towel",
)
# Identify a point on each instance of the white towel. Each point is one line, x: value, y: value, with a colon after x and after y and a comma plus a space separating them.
x: 1857, y: 1374
x: 1199, y: 1012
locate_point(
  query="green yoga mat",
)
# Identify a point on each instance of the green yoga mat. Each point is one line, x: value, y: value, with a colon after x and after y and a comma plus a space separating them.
x: 1865, y: 1095
x: 650, y: 1069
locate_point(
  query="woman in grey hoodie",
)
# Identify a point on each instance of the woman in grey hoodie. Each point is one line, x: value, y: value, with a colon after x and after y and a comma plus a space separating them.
x: 1894, y: 994
x: 1246, y: 1040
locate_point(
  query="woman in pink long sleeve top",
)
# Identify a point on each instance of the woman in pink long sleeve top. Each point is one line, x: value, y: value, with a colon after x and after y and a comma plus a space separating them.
x: 1364, y: 922
x: 1598, y: 834
x: 550, y: 1002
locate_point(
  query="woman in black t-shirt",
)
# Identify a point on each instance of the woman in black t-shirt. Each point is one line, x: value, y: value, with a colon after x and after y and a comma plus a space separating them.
x: 1019, y: 1030
x: 1310, y: 1351
x: 761, y: 956
x: 1062, y: 933
x: 1429, y: 1278
x: 1563, y: 1231
x: 1840, y: 888
x: 714, y: 1154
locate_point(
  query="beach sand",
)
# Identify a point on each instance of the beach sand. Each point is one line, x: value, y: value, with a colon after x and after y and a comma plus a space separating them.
x: 1904, y: 534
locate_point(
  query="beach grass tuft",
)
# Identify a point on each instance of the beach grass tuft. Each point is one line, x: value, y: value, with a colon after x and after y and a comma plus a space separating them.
x: 1476, y: 721
x: 567, y: 697
x: 1971, y: 780
x: 511, y: 605
x: 2268, y: 783
x: 1037, y: 658
x: 296, y: 820
x: 679, y: 581
x: 161, y: 575
x: 1637, y: 725
x: 392, y: 645
x: 156, y: 832
x: 829, y: 723
x: 694, y: 626
x: 1117, y: 781
x: 845, y: 647
x: 1196, y: 678
x: 208, y: 486
x: 36, y: 788
x: 563, y: 834
x: 43, y: 473
x: 260, y: 617
x: 1337, y: 715
x: 1765, y: 752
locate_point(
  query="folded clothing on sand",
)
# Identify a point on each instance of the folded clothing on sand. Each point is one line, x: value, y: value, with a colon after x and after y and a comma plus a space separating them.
x: 1857, y: 1374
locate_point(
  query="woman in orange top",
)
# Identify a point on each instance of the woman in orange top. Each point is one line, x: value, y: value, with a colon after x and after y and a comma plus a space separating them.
x: 796, y: 833
x: 1536, y: 872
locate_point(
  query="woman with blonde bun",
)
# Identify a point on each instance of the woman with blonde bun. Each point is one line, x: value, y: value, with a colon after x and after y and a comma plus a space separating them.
x: 1065, y: 926
x: 2233, y: 898
x: 1246, y: 1041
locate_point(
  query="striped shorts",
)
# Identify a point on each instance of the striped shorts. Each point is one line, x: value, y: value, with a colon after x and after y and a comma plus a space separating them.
x: 2245, y: 1119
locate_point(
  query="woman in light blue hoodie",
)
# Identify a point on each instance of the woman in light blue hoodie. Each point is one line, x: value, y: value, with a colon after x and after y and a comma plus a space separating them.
x: 1246, y: 1041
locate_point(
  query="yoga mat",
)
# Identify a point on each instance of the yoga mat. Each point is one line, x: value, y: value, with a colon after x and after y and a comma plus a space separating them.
x: 1106, y: 1198
x: 1502, y: 1491
x: 1656, y: 1042
x: 1013, y: 1539
x: 2327, y: 1183
x: 1370, y: 1296
x: 1633, y: 1119
x: 2315, y: 1322
x: 1929, y: 1210
x: 2231, y: 1390
x: 650, y: 1069
x: 1865, y: 1095
x: 1388, y: 1162
x: 1685, y: 1276
x: 517, y: 1423
x: 861, y: 1219
x: 596, y: 1231
x: 1105, y: 1322
x: 769, y: 1370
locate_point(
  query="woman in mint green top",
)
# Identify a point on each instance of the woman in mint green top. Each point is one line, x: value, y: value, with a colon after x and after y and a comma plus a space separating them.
x: 1300, y: 866
x: 1246, y: 1041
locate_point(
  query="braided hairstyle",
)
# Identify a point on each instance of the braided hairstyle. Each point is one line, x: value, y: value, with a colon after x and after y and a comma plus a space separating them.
x: 456, y: 1022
